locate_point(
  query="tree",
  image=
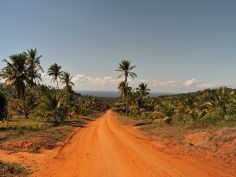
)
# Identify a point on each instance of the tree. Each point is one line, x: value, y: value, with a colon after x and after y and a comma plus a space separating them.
x: 33, y: 62
x: 142, y: 88
x: 122, y: 88
x: 126, y: 71
x: 222, y: 99
x: 15, y: 74
x: 66, y: 80
x: 55, y: 71
x: 140, y: 96
x: 167, y: 109
x: 3, y: 106
x: 31, y: 102
x: 52, y: 107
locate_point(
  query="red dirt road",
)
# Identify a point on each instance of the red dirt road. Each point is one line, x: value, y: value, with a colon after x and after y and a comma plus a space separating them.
x: 107, y: 149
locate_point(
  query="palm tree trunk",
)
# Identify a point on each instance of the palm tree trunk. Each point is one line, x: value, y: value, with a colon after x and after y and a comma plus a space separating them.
x: 24, y: 107
x: 126, y: 94
x: 57, y: 85
x: 224, y: 112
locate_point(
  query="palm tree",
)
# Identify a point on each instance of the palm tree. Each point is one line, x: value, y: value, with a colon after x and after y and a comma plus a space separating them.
x: 126, y: 71
x: 142, y: 88
x: 222, y: 99
x: 15, y: 74
x: 122, y: 87
x: 51, y: 107
x: 55, y: 71
x: 167, y: 109
x: 34, y: 66
x: 66, y: 80
x: 3, y: 106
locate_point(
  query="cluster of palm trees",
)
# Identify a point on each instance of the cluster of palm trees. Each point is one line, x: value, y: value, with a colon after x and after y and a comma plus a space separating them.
x: 66, y: 78
x: 210, y: 104
x: 133, y: 99
x: 25, y: 95
x: 207, y: 105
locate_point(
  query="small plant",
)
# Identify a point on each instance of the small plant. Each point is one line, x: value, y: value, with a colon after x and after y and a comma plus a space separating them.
x: 35, y: 149
x: 12, y: 170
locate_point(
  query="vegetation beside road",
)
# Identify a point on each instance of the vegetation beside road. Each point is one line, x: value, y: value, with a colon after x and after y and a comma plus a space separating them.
x: 203, y: 120
x: 34, y: 116
x: 12, y: 170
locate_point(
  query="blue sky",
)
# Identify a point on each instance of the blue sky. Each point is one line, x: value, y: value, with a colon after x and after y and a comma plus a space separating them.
x: 177, y: 46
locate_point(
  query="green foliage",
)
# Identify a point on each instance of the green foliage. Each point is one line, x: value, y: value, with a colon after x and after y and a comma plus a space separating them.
x: 126, y: 70
x: 15, y: 73
x: 52, y: 108
x: 27, y: 97
x: 66, y: 80
x: 215, y: 107
x: 55, y: 71
x: 34, y: 67
x: 12, y: 170
x: 3, y: 106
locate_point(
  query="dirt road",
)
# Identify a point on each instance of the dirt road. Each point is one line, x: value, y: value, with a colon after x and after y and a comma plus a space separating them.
x: 106, y: 149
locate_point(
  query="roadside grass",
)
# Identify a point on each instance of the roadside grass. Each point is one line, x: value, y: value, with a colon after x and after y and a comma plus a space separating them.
x: 136, y: 121
x: 12, y: 170
x: 218, y: 138
x: 32, y: 135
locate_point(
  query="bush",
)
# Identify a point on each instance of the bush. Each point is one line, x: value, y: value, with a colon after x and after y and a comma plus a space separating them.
x: 12, y: 170
x: 36, y: 149
x: 3, y: 106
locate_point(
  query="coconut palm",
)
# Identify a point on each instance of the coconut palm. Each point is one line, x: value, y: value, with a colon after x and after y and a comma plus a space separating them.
x: 142, y: 88
x: 55, y: 71
x: 167, y: 109
x: 33, y: 61
x: 52, y: 107
x: 122, y: 87
x: 15, y: 74
x: 222, y: 99
x: 66, y: 80
x: 126, y: 71
x: 138, y: 101
x: 31, y: 102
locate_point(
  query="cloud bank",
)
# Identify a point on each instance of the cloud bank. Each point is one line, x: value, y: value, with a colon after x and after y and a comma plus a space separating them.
x: 84, y: 82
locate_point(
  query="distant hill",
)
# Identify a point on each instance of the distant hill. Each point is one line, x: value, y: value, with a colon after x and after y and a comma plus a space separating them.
x: 116, y: 94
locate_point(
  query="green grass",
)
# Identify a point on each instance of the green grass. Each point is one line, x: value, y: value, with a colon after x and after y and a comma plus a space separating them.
x: 12, y: 170
x: 31, y: 134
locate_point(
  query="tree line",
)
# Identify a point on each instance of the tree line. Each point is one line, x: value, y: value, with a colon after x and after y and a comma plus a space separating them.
x: 22, y: 94
x: 210, y: 105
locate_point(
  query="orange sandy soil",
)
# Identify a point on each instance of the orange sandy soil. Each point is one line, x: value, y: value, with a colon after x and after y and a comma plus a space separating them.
x: 105, y: 148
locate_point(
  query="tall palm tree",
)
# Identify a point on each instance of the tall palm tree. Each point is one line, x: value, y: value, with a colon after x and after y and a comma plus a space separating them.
x: 33, y: 60
x: 55, y: 71
x: 142, y: 88
x: 15, y: 74
x: 126, y: 71
x: 66, y: 80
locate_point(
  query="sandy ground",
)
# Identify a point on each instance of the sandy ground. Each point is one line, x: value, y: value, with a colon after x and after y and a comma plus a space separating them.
x: 105, y: 148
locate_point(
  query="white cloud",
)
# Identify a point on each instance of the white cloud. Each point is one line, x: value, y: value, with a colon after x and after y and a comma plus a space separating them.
x: 84, y: 82
x: 191, y: 82
x: 196, y: 84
